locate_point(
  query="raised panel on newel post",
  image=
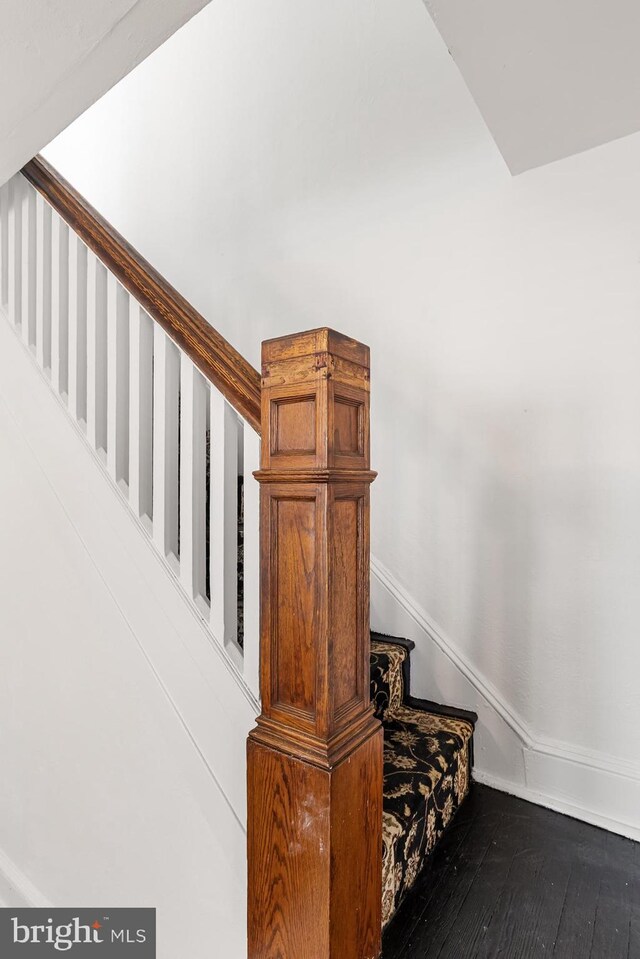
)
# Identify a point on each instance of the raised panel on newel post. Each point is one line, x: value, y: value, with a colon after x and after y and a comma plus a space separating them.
x: 315, y: 756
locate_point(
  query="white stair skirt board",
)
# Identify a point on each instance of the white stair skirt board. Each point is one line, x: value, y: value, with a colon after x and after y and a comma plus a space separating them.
x: 16, y: 889
x: 509, y: 756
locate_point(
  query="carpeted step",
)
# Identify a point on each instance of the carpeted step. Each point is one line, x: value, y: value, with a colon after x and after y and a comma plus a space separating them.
x: 427, y: 762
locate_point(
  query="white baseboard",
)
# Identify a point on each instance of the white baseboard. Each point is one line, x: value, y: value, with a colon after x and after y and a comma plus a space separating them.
x: 16, y: 889
x: 586, y: 784
x: 575, y: 810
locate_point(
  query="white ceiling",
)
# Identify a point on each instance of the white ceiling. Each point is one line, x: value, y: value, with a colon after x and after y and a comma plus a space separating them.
x: 551, y: 77
x: 57, y: 57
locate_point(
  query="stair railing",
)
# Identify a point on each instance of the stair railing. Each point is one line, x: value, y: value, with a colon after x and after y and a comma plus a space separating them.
x: 175, y: 416
x: 168, y: 406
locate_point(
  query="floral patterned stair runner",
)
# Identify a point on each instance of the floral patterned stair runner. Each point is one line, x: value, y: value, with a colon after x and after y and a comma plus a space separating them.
x: 426, y: 771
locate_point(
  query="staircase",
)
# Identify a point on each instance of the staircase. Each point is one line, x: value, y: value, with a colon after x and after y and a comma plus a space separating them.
x: 428, y: 754
x: 351, y: 779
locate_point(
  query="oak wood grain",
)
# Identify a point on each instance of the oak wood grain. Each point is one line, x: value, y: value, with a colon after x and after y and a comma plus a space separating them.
x: 315, y: 756
x: 314, y: 860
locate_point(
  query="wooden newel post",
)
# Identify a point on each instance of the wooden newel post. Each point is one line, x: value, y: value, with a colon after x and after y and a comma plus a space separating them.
x: 315, y: 757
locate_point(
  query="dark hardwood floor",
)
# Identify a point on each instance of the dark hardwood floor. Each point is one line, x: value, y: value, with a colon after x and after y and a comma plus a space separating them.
x: 512, y: 879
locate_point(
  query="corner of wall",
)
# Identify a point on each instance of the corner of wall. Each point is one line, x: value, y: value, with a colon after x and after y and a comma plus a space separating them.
x: 509, y: 756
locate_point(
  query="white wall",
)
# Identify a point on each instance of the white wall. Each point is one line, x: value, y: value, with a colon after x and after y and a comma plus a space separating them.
x: 295, y: 164
x: 121, y: 734
x: 58, y: 57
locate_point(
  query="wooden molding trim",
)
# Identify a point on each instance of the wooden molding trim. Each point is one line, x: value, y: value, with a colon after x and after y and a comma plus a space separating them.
x: 318, y: 476
x: 229, y: 372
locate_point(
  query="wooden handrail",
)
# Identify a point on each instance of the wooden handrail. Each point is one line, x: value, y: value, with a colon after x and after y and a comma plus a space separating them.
x: 229, y: 372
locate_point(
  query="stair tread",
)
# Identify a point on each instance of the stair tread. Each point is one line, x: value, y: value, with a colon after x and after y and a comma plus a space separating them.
x: 419, y: 750
x: 426, y: 778
x: 387, y: 686
x: 426, y: 769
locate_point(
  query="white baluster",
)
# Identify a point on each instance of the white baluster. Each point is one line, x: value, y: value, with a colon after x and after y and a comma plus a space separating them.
x: 60, y: 305
x: 224, y: 520
x: 193, y: 520
x: 148, y: 411
x: 186, y: 474
x: 251, y: 560
x: 43, y: 282
x: 4, y: 245
x: 141, y: 411
x: 28, y: 264
x: 96, y: 353
x: 118, y: 381
x: 14, y: 269
x: 77, y: 328
x: 166, y: 386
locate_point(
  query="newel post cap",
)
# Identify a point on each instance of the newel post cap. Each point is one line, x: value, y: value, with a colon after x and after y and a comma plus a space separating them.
x: 312, y: 342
